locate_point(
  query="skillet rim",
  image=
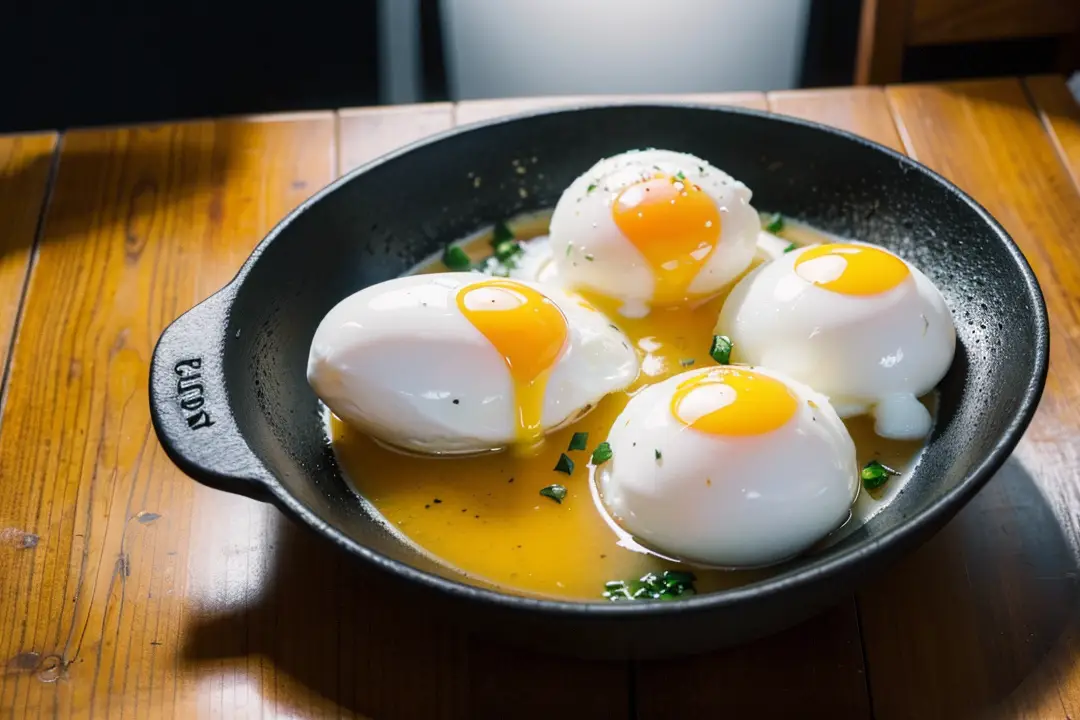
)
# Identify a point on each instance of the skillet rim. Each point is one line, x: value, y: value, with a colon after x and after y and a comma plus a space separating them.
x: 799, y: 577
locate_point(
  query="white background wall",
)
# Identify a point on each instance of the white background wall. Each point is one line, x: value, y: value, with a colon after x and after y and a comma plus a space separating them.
x: 510, y: 48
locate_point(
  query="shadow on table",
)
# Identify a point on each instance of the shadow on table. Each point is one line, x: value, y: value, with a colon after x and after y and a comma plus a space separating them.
x: 328, y: 634
x: 985, y: 615
x: 114, y: 182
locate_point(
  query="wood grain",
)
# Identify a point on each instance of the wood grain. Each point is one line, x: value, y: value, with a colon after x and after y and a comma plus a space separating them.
x: 936, y: 22
x: 983, y: 620
x: 128, y: 590
x: 863, y: 111
x: 366, y: 133
x: 25, y: 162
x: 96, y: 612
x: 472, y: 111
x: 1060, y: 115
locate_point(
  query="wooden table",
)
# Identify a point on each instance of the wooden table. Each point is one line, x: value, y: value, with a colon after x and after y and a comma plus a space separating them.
x: 127, y: 590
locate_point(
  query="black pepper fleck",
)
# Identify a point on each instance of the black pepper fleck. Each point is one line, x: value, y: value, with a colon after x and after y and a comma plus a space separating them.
x: 456, y: 401
x: 436, y: 501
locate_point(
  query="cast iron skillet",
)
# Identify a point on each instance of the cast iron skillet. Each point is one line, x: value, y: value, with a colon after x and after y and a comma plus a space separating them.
x: 232, y: 407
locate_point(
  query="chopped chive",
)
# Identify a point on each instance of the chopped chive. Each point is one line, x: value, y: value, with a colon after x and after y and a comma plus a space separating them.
x: 721, y: 349
x: 579, y: 441
x: 776, y: 224
x: 455, y: 258
x: 669, y: 585
x: 601, y: 454
x: 687, y: 362
x: 500, y: 233
x: 568, y: 249
x: 592, y: 186
x: 679, y: 175
x: 874, y: 475
x: 791, y: 247
x: 565, y: 464
x: 555, y: 492
x: 658, y: 454
x: 589, y: 257
x: 507, y: 249
x: 677, y: 577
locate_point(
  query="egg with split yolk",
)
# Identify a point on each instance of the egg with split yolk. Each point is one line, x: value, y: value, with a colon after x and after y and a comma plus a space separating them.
x: 457, y: 363
x: 855, y: 321
x: 653, y: 228
x: 729, y: 466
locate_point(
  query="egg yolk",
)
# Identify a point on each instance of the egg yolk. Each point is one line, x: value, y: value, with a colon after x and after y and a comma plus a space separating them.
x: 851, y: 269
x: 733, y: 401
x: 674, y: 224
x: 529, y: 331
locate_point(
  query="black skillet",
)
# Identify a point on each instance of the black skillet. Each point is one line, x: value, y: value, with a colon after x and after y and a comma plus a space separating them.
x: 232, y: 407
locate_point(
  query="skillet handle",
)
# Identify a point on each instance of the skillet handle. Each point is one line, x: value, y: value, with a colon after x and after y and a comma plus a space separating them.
x: 190, y: 407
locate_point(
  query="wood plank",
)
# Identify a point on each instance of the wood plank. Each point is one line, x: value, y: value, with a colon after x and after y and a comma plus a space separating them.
x: 982, y: 619
x: 936, y: 22
x: 471, y: 111
x: 25, y: 162
x: 133, y: 566
x: 1060, y: 115
x: 366, y: 133
x: 862, y: 110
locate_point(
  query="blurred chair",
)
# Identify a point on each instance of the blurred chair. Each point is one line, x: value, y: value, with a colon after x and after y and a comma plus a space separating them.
x: 889, y: 27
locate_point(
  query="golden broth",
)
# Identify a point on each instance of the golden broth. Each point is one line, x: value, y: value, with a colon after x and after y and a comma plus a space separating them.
x: 485, y: 517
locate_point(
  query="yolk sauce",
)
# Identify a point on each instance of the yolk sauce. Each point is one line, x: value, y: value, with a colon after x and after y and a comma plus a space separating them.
x: 484, y: 515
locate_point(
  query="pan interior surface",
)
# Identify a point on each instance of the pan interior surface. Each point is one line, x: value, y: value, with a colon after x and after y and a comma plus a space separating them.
x: 381, y: 221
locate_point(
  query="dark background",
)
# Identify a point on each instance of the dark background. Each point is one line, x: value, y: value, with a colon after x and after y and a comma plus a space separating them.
x: 71, y: 63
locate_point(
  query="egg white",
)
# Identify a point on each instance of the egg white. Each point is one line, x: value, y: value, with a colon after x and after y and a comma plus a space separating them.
x: 590, y: 251
x: 728, y: 501
x: 874, y: 353
x: 393, y: 358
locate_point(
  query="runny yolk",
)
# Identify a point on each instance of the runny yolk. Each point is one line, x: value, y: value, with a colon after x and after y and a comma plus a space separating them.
x: 851, y: 269
x: 529, y: 331
x: 674, y: 224
x: 733, y: 401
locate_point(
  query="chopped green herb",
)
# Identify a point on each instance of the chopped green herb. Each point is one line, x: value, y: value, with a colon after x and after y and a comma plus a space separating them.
x: 589, y: 257
x: 500, y: 233
x: 507, y: 249
x: 776, y: 224
x: 721, y: 349
x: 679, y: 175
x: 568, y: 249
x: 874, y: 475
x: 687, y: 362
x: 565, y: 464
x: 658, y: 454
x: 455, y: 258
x: 555, y: 492
x: 666, y: 586
x: 579, y: 442
x: 592, y: 186
x: 601, y: 454
x: 791, y: 247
